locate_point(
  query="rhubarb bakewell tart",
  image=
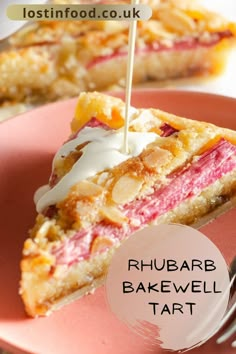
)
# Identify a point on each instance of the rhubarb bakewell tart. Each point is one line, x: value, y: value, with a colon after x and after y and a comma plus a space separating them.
x: 176, y: 170
x: 52, y: 60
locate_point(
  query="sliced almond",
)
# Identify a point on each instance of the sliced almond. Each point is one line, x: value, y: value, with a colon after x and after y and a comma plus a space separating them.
x: 182, y: 4
x: 87, y: 189
x: 113, y: 215
x: 44, y: 229
x: 177, y: 20
x: 154, y: 30
x: 102, y: 178
x: 156, y: 157
x: 100, y: 244
x: 126, y: 189
x: 111, y: 27
x: 215, y: 22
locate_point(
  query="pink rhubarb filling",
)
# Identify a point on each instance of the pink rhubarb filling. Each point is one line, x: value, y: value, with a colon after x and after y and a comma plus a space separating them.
x: 181, y: 45
x: 183, y: 184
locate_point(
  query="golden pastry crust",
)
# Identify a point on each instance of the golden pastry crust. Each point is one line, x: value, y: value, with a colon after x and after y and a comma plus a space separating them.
x: 102, y: 198
x: 135, y: 177
x: 73, y: 56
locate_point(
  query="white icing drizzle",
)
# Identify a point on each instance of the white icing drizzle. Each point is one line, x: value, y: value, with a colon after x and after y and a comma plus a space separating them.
x: 103, y: 152
x: 40, y: 192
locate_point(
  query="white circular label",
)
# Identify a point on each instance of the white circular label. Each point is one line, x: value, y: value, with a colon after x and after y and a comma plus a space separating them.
x: 169, y: 283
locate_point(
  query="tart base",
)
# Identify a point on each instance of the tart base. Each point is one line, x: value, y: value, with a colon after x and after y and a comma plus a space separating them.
x: 44, y: 292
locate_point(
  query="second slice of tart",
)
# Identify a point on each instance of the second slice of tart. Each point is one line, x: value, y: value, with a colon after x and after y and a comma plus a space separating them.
x: 58, y: 59
x: 177, y: 170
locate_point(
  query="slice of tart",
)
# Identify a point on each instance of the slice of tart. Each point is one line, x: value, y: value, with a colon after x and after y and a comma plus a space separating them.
x: 60, y: 59
x: 177, y: 170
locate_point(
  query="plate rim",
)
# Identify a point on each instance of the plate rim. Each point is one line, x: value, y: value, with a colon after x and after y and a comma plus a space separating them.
x: 118, y: 93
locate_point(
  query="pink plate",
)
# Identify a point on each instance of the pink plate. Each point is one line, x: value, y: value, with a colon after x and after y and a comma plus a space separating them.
x: 27, y: 144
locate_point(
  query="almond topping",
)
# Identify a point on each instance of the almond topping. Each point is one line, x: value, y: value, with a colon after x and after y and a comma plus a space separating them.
x: 113, y: 215
x: 44, y: 229
x: 156, y: 157
x: 87, y: 189
x: 100, y: 244
x: 177, y: 20
x: 126, y: 189
x: 111, y: 27
x: 215, y: 23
